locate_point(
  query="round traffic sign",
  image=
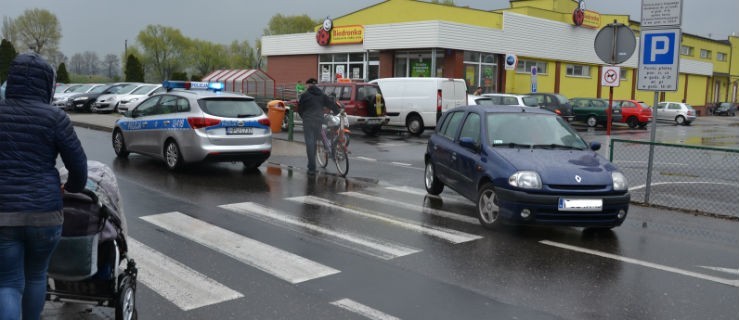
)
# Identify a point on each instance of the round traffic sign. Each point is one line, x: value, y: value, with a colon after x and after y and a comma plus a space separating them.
x: 615, y: 43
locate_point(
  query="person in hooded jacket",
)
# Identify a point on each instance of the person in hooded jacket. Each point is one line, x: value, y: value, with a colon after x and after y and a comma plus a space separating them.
x: 32, y: 135
x: 311, y: 109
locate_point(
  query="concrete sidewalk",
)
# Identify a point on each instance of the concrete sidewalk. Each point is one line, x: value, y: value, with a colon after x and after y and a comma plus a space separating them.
x: 106, y: 122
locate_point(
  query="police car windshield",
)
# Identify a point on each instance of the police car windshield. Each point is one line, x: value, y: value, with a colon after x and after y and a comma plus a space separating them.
x: 230, y: 107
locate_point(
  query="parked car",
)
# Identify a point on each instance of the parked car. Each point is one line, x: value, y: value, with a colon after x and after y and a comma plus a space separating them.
x: 61, y: 97
x: 594, y: 111
x: 556, y: 103
x: 416, y: 103
x: 128, y: 101
x: 680, y: 113
x: 725, y: 109
x: 185, y: 126
x: 500, y: 99
x: 364, y: 104
x: 82, y: 102
x: 634, y: 113
x: 109, y: 102
x: 524, y: 166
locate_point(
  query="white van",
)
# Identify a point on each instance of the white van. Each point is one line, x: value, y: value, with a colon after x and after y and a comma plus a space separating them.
x: 416, y: 103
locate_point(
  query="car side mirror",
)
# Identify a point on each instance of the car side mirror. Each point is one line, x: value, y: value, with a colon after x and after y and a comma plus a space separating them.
x: 595, y: 146
x: 469, y: 143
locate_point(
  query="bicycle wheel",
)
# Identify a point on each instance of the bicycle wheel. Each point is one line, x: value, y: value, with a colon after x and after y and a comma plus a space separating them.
x: 342, y: 160
x: 321, y: 154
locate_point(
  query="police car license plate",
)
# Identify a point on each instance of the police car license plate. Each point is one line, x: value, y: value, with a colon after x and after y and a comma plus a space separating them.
x: 580, y: 204
x: 239, y: 130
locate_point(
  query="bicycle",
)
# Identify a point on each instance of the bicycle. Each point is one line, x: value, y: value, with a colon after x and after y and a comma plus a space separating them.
x: 334, y: 138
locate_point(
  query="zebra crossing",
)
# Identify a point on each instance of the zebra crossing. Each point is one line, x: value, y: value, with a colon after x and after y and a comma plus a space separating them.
x: 189, y: 289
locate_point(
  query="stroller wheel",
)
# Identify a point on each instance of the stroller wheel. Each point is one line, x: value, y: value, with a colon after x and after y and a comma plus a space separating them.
x: 125, y: 308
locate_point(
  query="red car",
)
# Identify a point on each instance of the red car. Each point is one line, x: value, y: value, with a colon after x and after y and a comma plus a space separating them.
x: 634, y: 113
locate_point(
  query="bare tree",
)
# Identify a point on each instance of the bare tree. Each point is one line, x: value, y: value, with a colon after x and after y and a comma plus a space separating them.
x: 91, y: 62
x: 77, y: 64
x: 9, y: 30
x: 39, y: 30
x: 112, y: 63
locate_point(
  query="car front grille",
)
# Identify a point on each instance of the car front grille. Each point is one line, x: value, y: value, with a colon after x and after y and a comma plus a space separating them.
x: 564, y: 187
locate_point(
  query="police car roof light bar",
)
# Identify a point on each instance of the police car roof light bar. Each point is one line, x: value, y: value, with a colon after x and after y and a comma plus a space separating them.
x: 192, y: 85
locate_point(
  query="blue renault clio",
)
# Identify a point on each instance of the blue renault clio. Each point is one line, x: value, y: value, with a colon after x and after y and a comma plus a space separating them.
x: 524, y: 166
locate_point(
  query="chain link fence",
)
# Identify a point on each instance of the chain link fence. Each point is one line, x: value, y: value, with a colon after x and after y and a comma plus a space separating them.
x: 693, y: 178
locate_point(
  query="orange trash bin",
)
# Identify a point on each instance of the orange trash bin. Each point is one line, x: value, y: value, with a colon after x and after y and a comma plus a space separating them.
x: 276, y: 114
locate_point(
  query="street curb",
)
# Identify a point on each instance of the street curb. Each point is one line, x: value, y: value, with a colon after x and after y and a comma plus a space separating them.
x: 91, y: 126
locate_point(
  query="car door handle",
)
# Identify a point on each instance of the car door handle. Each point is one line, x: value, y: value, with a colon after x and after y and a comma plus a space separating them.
x: 454, y: 156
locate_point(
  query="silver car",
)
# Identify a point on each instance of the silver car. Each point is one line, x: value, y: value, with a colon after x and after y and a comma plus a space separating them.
x: 185, y: 126
x: 109, y: 102
x: 130, y: 100
x: 681, y: 113
x: 501, y: 99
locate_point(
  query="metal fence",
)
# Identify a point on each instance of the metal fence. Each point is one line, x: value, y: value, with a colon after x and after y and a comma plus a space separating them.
x: 692, y: 178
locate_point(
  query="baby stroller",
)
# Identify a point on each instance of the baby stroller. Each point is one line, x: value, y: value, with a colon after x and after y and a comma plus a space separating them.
x: 91, y: 262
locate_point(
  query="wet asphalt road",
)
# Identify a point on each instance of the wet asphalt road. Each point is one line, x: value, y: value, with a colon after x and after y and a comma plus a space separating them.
x: 658, y: 265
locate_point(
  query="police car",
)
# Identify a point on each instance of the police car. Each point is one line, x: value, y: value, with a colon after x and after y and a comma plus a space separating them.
x: 195, y: 122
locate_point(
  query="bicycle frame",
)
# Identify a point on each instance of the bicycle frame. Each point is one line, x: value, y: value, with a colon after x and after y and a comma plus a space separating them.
x: 335, y: 141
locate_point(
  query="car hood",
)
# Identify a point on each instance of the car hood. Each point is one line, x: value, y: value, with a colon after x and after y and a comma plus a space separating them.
x: 561, y: 167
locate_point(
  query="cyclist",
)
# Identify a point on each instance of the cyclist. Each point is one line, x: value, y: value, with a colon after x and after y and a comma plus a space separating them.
x: 311, y: 109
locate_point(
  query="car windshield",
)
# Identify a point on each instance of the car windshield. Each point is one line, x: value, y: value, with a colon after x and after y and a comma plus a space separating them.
x: 124, y: 89
x: 80, y: 88
x: 515, y: 130
x: 530, y: 101
x: 143, y: 89
x: 644, y: 105
x: 485, y: 101
x: 99, y: 89
x: 230, y: 107
x: 562, y: 99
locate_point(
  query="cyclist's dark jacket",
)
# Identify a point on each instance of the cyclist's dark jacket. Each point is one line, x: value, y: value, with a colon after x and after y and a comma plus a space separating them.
x: 312, y: 102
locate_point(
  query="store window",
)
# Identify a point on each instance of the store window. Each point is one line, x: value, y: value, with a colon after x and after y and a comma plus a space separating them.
x: 480, y: 70
x: 705, y: 54
x: 332, y: 67
x: 524, y: 66
x: 577, y: 70
x: 427, y: 63
x: 686, y: 51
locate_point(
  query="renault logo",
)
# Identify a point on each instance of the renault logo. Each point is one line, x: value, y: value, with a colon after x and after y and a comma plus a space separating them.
x: 578, y: 179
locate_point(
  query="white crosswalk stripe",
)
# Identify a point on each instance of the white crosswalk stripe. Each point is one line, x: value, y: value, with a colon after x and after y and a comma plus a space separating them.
x: 381, y: 249
x: 184, y: 287
x: 363, y: 310
x: 426, y: 210
x: 421, y: 192
x: 277, y: 262
x: 446, y: 234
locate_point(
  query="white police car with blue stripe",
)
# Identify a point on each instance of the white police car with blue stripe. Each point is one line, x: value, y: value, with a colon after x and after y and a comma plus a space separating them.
x: 195, y: 122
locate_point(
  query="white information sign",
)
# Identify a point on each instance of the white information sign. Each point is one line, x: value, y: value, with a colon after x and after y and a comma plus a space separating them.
x: 657, y: 13
x: 659, y: 59
x: 611, y: 76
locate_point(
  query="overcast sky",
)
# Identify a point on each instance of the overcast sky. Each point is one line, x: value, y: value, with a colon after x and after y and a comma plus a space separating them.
x: 103, y: 26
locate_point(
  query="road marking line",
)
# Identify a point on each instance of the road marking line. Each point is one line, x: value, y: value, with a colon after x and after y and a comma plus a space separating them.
x: 367, y: 159
x: 426, y: 210
x: 727, y: 270
x: 684, y: 182
x: 729, y: 282
x: 181, y: 285
x: 446, y: 234
x: 279, y: 263
x: 401, y: 164
x: 423, y: 193
x: 375, y: 247
x: 363, y: 310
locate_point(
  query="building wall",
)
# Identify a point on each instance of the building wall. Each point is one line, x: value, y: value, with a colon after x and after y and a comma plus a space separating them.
x: 583, y: 87
x: 287, y: 70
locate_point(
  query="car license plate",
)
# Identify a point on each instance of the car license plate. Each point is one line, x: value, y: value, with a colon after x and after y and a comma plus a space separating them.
x: 580, y: 204
x: 373, y: 121
x: 239, y: 130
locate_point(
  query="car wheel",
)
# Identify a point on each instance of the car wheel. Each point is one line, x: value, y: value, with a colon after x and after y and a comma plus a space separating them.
x: 172, y: 155
x: 643, y: 125
x: 488, y: 211
x: 592, y: 122
x: 680, y: 120
x: 633, y: 122
x: 433, y: 185
x: 251, y: 166
x: 119, y: 144
x: 414, y: 123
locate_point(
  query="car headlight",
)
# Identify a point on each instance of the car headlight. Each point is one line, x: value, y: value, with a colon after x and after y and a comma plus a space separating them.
x: 525, y: 180
x: 80, y: 99
x: 619, y: 181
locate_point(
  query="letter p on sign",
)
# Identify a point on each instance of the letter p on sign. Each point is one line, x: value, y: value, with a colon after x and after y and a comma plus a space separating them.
x: 658, y: 48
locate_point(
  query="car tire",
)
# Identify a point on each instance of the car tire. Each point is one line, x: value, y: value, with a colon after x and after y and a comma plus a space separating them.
x: 251, y: 166
x: 414, y: 124
x: 119, y: 144
x: 433, y: 185
x: 643, y: 125
x: 488, y: 212
x: 371, y: 131
x: 592, y: 121
x: 680, y: 120
x: 172, y: 155
x: 633, y: 122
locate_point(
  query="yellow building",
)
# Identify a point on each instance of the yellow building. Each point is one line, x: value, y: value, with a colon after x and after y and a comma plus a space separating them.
x: 399, y: 38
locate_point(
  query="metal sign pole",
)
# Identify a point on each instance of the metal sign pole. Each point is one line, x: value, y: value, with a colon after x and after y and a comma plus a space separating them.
x: 650, y: 163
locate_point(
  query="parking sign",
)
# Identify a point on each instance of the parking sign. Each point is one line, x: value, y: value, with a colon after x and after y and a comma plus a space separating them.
x: 659, y: 59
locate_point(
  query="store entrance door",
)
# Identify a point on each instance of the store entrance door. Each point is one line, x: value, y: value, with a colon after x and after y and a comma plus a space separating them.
x: 373, y: 71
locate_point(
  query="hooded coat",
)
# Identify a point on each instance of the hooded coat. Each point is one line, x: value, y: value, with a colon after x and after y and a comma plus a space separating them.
x: 32, y: 135
x: 312, y: 102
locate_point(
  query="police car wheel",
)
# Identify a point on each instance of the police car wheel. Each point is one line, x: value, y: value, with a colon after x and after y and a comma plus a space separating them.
x: 172, y: 155
x: 119, y: 144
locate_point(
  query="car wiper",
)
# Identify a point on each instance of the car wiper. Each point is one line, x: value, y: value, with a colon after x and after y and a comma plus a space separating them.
x: 247, y: 115
x: 555, y: 146
x: 512, y: 145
